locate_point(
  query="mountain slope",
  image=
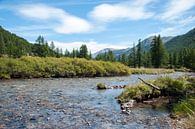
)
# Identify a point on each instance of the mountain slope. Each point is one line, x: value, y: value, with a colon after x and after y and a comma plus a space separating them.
x: 103, y: 51
x: 12, y: 44
x: 145, y: 44
x: 182, y: 41
x: 15, y: 46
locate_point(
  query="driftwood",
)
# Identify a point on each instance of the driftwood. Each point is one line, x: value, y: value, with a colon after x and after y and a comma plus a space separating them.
x: 151, y: 85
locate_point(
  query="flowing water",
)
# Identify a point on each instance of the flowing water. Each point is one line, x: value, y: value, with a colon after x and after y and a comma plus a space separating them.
x: 73, y: 103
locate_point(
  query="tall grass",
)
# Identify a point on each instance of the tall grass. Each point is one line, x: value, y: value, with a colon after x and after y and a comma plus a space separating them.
x: 35, y: 67
x: 150, y: 70
x: 181, y: 89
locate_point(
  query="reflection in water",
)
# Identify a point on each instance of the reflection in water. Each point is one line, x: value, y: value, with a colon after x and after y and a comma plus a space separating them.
x: 73, y: 103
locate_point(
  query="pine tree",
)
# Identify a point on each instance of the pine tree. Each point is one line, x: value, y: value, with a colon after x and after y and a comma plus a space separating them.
x: 67, y: 53
x: 170, y: 60
x: 57, y: 52
x: 175, y: 59
x: 83, y: 51
x: 52, y: 47
x: 139, y: 54
x: 2, y: 46
x: 90, y: 55
x: 134, y: 56
x: 110, y: 56
x: 74, y: 53
x: 77, y: 53
x: 158, y: 53
x: 61, y: 52
x: 123, y: 59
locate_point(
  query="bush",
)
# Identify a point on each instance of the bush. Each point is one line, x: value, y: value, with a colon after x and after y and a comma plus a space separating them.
x: 101, y: 86
x: 28, y: 67
x: 169, y: 87
x: 139, y: 92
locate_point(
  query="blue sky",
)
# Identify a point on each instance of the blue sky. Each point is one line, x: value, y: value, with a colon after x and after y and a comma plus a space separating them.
x: 97, y: 23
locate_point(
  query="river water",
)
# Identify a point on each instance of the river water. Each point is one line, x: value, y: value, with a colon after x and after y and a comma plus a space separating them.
x: 73, y: 103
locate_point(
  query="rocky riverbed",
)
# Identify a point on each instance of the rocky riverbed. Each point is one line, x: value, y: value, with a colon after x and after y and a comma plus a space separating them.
x: 74, y: 103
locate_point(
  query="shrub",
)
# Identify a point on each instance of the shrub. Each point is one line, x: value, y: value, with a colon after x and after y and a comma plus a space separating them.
x: 27, y: 67
x: 101, y: 86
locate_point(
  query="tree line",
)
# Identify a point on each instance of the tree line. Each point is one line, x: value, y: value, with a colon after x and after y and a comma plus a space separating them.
x: 156, y: 57
x: 13, y: 46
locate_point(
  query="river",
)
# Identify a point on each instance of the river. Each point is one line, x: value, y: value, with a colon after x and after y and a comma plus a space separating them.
x: 73, y: 103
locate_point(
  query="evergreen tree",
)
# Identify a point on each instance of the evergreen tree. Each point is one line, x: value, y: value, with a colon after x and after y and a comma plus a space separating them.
x: 170, y: 60
x: 57, y: 52
x: 158, y: 52
x: 175, y: 59
x: 123, y: 59
x: 67, y: 53
x: 61, y: 52
x: 90, y: 55
x: 77, y: 53
x: 2, y: 46
x: 83, y: 51
x: 74, y: 53
x: 40, y: 40
x: 110, y: 56
x: 52, y: 47
x: 134, y: 56
x: 139, y: 54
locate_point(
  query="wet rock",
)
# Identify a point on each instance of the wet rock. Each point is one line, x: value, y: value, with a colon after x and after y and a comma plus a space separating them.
x: 129, y: 104
x: 101, y: 86
x: 33, y: 118
x: 118, y: 86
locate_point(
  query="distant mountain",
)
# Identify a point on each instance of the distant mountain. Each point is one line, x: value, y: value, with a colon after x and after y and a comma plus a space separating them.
x: 103, y: 51
x: 145, y: 44
x: 182, y: 41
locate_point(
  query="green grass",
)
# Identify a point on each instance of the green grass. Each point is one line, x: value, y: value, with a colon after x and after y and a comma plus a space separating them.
x: 35, y: 67
x: 168, y: 86
x: 183, y: 104
x: 185, y: 107
x: 151, y: 71
x: 101, y: 86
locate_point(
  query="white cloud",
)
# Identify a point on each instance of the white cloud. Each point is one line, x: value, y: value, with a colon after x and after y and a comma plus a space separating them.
x: 169, y: 31
x: 130, y: 10
x: 65, y: 23
x: 177, y: 8
x: 93, y: 46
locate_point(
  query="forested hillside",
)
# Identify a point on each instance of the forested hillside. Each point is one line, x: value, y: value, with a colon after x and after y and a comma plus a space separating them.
x: 11, y: 44
x: 183, y: 41
x: 14, y: 46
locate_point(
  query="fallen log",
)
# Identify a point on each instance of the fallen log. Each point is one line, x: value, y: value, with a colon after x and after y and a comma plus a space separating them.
x: 151, y: 85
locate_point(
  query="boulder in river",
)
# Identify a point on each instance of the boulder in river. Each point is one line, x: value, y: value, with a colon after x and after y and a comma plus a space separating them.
x: 128, y: 105
x: 101, y: 86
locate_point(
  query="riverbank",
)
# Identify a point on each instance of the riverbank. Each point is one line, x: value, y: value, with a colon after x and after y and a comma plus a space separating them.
x: 37, y: 67
x: 176, y: 95
x: 151, y: 70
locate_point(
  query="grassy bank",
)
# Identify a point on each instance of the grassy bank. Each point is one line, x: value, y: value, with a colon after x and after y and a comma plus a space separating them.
x: 150, y: 71
x: 35, y: 67
x: 180, y: 90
